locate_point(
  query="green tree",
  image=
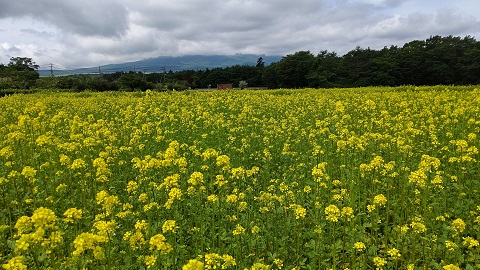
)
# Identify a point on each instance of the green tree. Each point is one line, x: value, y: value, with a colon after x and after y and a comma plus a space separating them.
x: 412, y: 63
x: 449, y: 59
x: 131, y: 81
x: 326, y: 71
x: 270, y: 76
x: 22, y: 64
x: 470, y: 62
x: 260, y: 63
x: 294, y: 69
x: 20, y: 73
x: 442, y: 56
x: 358, y: 67
x: 384, y: 67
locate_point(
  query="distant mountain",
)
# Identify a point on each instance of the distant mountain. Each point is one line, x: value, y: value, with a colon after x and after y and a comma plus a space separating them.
x: 173, y: 63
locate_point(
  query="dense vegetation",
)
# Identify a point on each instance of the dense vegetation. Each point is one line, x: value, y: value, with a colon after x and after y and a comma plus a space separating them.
x: 20, y: 73
x: 436, y: 60
x: 369, y: 178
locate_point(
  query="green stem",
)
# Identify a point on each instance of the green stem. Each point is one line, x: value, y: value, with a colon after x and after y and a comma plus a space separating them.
x: 37, y: 266
x: 334, y: 253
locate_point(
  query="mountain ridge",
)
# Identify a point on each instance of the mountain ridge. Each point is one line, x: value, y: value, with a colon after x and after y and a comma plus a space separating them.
x: 173, y: 63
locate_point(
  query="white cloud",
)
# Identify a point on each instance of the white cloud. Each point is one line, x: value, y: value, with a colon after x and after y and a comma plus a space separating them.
x: 89, y: 33
x: 440, y: 22
x: 4, y: 55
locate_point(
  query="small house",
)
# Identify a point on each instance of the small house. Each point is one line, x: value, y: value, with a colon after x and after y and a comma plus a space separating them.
x: 223, y: 86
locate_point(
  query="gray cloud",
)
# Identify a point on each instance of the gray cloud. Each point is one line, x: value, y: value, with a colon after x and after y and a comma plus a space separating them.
x: 36, y: 33
x: 94, y: 33
x: 87, y: 17
x: 14, y: 50
x: 441, y: 22
x: 4, y: 55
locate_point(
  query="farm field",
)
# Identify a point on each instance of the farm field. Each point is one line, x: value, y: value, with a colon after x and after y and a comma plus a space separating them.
x: 367, y: 178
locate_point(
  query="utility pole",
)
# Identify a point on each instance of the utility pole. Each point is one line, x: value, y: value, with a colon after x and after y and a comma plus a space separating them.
x: 144, y: 74
x: 134, y: 70
x: 51, y: 69
x: 99, y: 71
x: 163, y: 76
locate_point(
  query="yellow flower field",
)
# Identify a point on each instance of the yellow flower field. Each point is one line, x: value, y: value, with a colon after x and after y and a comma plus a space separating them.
x: 369, y: 178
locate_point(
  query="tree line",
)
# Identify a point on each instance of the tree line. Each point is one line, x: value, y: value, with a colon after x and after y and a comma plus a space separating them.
x: 20, y: 73
x: 436, y: 60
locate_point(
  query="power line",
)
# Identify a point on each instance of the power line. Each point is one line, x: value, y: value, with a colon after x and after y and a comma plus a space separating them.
x: 58, y: 69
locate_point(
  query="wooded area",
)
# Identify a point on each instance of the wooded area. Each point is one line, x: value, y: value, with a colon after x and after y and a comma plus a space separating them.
x: 436, y: 60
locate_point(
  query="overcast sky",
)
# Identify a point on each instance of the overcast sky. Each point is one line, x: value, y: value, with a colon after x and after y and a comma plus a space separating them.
x: 73, y: 33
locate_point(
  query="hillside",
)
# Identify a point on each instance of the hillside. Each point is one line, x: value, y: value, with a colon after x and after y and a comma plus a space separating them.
x: 174, y: 63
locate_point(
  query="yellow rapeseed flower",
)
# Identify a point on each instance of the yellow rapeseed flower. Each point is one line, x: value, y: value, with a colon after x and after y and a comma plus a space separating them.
x: 209, y: 153
x: 87, y: 241
x: 193, y: 265
x: 450, y: 245
x: 169, y: 226
x: 242, y: 206
x: 174, y: 194
x: 132, y: 187
x: 64, y: 159
x: 44, y: 218
x: 347, y: 213
x: 223, y: 161
x: 258, y: 266
x: 379, y: 262
x: 380, y: 200
x: 232, y: 198
x: 150, y: 260
x: 458, y: 226
x: 23, y: 225
x: 29, y: 172
x: 394, y: 253
x: 238, y: 173
x: 332, y: 213
x: 141, y: 225
x: 98, y: 253
x: 255, y: 229
x: 451, y: 267
x: 470, y: 242
x: 220, y: 180
x: 196, y: 178
x: 300, y: 211
x: 158, y: 242
x: 212, y: 198
x: 319, y: 172
x: 136, y: 239
x: 72, y: 215
x: 60, y: 188
x: 278, y: 263
x: 170, y: 182
x: 78, y: 164
x: 6, y: 152
x: 22, y: 243
x: 418, y: 226
x: 15, y: 263
x: 143, y: 197
x: 359, y: 246
x: 105, y: 228
x: 239, y: 230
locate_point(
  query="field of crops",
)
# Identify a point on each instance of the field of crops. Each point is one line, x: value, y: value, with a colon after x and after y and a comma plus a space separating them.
x: 370, y: 178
